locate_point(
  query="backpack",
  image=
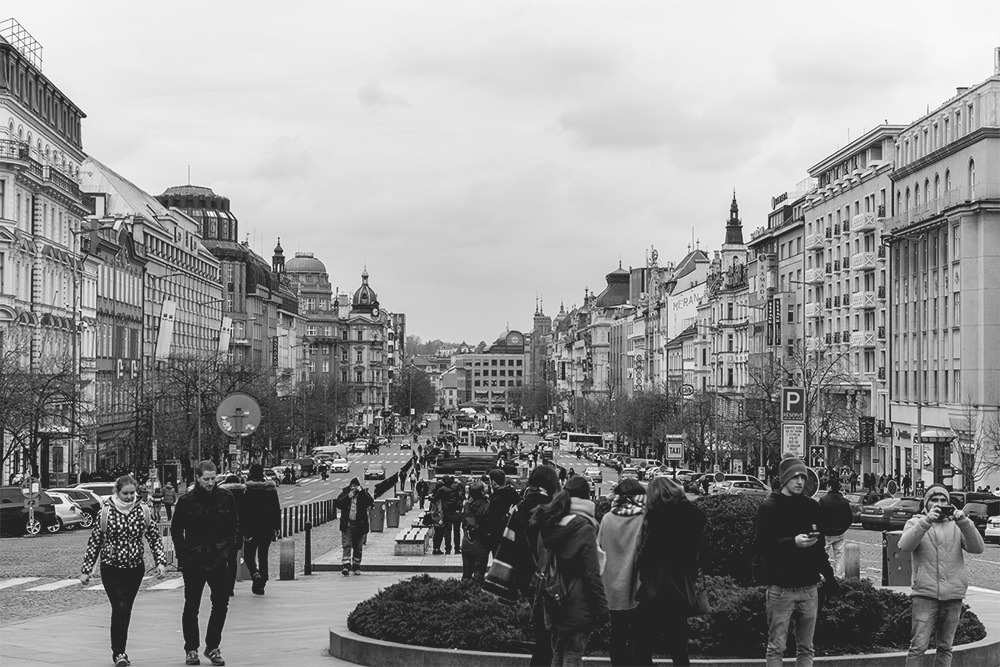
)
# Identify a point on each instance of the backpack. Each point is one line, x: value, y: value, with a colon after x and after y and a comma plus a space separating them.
x: 548, y: 580
x: 106, y: 511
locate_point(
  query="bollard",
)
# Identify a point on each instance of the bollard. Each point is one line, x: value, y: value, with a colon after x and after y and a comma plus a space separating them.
x: 284, y: 522
x: 308, y: 566
x: 852, y: 561
x: 286, y: 560
x: 896, y: 566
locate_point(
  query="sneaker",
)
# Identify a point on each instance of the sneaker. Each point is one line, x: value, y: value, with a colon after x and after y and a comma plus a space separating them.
x: 257, y: 587
x: 121, y: 660
x: 346, y: 572
x: 215, y: 655
x: 357, y: 569
x: 192, y: 658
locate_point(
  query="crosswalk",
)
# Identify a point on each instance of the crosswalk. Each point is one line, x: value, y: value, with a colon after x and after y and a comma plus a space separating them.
x: 41, y: 585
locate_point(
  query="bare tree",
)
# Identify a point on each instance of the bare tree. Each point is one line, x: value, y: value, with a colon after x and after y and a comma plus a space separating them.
x: 978, y: 441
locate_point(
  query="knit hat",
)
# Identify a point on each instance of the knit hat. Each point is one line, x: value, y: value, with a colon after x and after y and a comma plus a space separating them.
x: 935, y: 490
x: 789, y: 467
x: 256, y: 473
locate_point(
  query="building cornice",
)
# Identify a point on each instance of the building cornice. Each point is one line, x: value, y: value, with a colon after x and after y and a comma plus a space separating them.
x: 946, y: 151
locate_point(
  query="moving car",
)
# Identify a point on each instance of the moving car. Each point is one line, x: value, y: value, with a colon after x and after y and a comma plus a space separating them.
x: 103, y: 490
x: 269, y: 474
x: 628, y: 472
x: 594, y: 474
x: 358, y: 446
x: 889, y: 513
x: 68, y: 513
x: 374, y: 471
x: 406, y: 444
x: 340, y: 465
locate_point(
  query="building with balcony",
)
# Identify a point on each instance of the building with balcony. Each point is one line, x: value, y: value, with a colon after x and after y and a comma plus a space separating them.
x: 944, y: 296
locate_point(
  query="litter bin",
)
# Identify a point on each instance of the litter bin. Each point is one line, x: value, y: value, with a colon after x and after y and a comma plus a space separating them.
x: 376, y: 516
x: 405, y: 501
x: 392, y: 512
x: 896, y: 565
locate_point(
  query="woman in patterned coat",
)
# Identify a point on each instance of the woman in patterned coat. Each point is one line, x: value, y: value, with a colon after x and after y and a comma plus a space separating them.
x: 117, y: 539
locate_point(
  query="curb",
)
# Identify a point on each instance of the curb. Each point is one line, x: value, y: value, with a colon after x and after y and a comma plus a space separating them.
x: 389, y: 567
x: 356, y: 648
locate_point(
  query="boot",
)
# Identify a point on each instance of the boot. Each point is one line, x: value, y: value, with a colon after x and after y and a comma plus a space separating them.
x: 257, y: 587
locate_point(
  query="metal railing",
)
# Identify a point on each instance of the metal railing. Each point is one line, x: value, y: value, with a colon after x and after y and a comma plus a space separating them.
x: 295, y: 517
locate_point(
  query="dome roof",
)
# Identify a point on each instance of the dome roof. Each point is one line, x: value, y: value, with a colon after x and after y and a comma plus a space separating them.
x: 304, y: 262
x: 182, y: 190
x: 365, y: 297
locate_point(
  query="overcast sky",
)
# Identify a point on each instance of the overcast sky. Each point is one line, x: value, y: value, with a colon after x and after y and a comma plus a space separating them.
x: 475, y: 154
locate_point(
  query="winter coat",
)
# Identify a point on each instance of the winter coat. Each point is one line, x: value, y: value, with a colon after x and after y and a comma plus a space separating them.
x: 513, y: 569
x: 937, y: 558
x: 169, y: 495
x: 668, y: 557
x: 573, y: 542
x: 261, y: 515
x: 500, y: 503
x: 205, y: 527
x: 619, y: 536
x: 451, y: 502
x: 422, y: 488
x: 475, y: 531
x: 835, y: 515
x: 365, y: 501
x: 779, y: 519
x: 119, y: 544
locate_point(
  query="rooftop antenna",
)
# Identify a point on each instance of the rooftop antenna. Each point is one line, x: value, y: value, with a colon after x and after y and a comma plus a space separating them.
x: 189, y: 174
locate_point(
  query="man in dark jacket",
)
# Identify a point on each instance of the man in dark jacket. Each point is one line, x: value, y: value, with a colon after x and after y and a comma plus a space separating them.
x: 791, y: 543
x: 260, y: 523
x: 353, y: 503
x: 422, y: 491
x: 204, y: 530
x: 503, y: 497
x: 835, y: 517
x: 450, y: 502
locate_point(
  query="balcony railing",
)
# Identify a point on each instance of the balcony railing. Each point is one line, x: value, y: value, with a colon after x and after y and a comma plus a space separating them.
x: 863, y: 300
x: 863, y: 261
x: 61, y: 180
x: 836, y: 230
x: 880, y: 253
x: 880, y: 332
x: 814, y: 309
x: 829, y: 233
x: 880, y: 293
x: 847, y: 226
x: 814, y: 276
x: 828, y: 338
x: 829, y: 268
x: 863, y: 339
x: 863, y: 222
x: 829, y: 302
x: 881, y: 211
x: 836, y: 302
x: 836, y: 337
x: 881, y: 372
x: 13, y: 149
x: 847, y: 263
x: 934, y: 207
x: 814, y: 241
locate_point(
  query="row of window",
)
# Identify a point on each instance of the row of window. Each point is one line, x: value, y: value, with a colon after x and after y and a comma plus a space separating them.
x: 950, y: 125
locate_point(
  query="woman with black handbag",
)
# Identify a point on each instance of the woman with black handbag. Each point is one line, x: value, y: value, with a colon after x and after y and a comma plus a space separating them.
x: 668, y: 570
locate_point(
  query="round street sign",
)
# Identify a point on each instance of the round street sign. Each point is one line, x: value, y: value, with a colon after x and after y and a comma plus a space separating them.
x: 687, y: 390
x: 238, y: 415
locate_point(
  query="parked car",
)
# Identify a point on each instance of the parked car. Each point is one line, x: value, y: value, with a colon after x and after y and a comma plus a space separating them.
x: 340, y: 465
x: 736, y: 477
x: 68, y: 513
x: 307, y: 466
x: 741, y: 488
x: 890, y: 513
x: 595, y: 475
x: 14, y: 515
x: 374, y: 471
x: 86, y: 499
x: 855, y: 500
x: 992, y: 533
x: 358, y: 446
x: 980, y: 512
x: 271, y: 475
x: 102, y: 490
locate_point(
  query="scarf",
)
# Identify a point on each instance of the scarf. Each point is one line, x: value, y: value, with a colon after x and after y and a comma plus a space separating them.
x: 584, y: 508
x: 122, y: 506
x: 512, y: 566
x: 626, y: 506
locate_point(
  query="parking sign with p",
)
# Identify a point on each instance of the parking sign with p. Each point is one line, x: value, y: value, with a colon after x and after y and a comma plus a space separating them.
x: 793, y: 404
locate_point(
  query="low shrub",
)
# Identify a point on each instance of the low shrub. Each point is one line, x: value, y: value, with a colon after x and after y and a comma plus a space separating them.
x: 448, y: 613
x: 729, y: 536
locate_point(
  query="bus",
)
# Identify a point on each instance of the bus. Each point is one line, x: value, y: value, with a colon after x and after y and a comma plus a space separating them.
x: 572, y: 440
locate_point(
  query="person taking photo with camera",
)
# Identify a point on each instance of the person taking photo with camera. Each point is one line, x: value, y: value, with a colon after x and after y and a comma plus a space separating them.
x: 937, y: 540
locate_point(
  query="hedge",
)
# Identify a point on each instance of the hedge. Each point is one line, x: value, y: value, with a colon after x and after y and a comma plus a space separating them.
x: 729, y: 536
x: 448, y: 613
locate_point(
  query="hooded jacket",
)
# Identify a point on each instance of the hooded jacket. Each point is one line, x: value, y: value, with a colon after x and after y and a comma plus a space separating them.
x: 779, y: 519
x: 205, y: 527
x: 260, y: 517
x: 573, y: 541
x: 937, y: 554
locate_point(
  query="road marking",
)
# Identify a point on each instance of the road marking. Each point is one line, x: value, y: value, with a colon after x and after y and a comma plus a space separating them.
x: 55, y: 585
x: 7, y: 583
x: 168, y: 585
x: 983, y: 590
x: 98, y: 587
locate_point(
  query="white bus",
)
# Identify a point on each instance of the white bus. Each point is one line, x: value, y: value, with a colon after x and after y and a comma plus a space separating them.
x: 571, y: 440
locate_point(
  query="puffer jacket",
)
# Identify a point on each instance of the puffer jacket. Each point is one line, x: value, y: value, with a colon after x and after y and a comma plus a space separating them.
x: 260, y: 515
x: 937, y: 555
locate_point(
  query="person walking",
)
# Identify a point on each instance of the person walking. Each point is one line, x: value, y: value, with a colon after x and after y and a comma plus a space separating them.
x: 117, y: 540
x: 619, y: 536
x: 353, y: 503
x: 568, y: 532
x: 792, y: 546
x: 668, y: 570
x: 238, y: 490
x: 205, y: 529
x: 854, y: 481
x: 157, y: 499
x: 835, y: 517
x: 260, y: 524
x: 413, y: 480
x: 476, y: 533
x: 169, y: 498
x: 937, y: 540
x: 907, y: 484
x: 503, y: 496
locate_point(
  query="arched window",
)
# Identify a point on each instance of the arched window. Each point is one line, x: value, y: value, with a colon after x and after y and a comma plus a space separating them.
x: 972, y: 179
x: 947, y: 180
x: 916, y: 194
x: 937, y: 186
x: 927, y: 189
x: 907, y: 206
x: 20, y: 132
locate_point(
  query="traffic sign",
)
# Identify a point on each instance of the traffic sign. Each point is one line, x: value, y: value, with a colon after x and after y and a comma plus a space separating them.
x: 793, y: 404
x: 793, y: 438
x: 675, y: 451
x: 687, y: 390
x: 238, y: 415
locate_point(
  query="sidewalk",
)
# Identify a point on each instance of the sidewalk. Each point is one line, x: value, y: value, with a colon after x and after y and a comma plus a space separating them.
x: 379, y: 555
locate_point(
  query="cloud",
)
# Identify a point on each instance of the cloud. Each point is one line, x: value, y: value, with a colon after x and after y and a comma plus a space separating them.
x: 286, y: 158
x: 373, y: 95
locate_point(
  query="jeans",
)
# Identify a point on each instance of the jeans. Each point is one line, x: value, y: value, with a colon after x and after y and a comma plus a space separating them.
x: 121, y: 585
x: 568, y: 647
x: 782, y: 605
x: 835, y: 552
x: 625, y: 629
x: 218, y: 582
x: 255, y: 555
x: 353, y: 544
x: 660, y: 619
x: 938, y: 618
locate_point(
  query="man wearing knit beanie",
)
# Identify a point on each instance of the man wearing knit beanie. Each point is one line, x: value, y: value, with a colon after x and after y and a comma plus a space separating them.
x: 795, y: 561
x: 937, y: 540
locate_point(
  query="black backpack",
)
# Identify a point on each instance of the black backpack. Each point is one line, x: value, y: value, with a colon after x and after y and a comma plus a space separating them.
x: 548, y: 580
